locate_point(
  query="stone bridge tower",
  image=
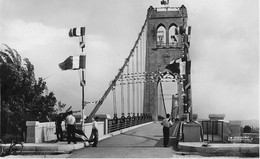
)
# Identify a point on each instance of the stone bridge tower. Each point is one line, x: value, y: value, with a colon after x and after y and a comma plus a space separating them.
x: 161, y: 48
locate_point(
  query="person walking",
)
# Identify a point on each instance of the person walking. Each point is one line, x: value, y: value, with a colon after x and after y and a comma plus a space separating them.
x: 94, y: 133
x: 166, y: 123
x: 71, y: 122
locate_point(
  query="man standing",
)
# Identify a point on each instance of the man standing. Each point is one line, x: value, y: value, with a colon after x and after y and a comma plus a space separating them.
x: 166, y: 123
x: 58, y: 122
x: 94, y: 133
x: 71, y: 122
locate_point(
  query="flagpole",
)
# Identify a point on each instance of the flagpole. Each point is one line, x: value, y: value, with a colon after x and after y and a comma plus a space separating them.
x: 79, y: 32
x: 82, y: 85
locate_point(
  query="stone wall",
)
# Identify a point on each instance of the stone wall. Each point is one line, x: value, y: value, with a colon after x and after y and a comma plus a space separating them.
x: 43, y: 132
x: 40, y: 132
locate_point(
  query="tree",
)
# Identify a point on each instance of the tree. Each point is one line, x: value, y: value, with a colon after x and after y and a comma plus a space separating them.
x: 61, y: 106
x: 247, y: 129
x: 22, y: 95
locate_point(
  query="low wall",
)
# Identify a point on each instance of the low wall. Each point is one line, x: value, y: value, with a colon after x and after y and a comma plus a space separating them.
x: 230, y: 129
x: 43, y: 132
x: 39, y: 132
x: 192, y: 132
x: 235, y: 128
x: 88, y: 128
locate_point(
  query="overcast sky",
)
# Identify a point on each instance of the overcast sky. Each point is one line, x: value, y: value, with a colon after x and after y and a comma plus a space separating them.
x: 224, y: 47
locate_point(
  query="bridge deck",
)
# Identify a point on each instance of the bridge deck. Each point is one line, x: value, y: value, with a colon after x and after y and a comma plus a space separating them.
x: 145, y: 141
x: 142, y: 142
x: 148, y: 135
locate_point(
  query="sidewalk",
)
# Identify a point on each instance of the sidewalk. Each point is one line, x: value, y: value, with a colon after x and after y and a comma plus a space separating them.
x: 63, y: 147
x: 56, y: 147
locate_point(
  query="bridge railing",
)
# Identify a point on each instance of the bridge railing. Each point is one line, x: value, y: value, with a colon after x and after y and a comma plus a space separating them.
x: 216, y: 131
x: 122, y: 123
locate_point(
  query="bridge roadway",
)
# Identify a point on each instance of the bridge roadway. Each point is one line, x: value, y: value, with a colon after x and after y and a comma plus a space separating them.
x: 143, y: 142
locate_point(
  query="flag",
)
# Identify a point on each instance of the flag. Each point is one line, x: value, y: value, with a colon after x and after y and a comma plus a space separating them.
x: 174, y: 67
x: 182, y: 30
x: 73, y: 63
x: 82, y: 61
x: 67, y: 64
x: 77, y: 32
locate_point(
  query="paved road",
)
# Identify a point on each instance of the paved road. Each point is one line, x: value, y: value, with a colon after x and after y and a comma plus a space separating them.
x: 146, y: 141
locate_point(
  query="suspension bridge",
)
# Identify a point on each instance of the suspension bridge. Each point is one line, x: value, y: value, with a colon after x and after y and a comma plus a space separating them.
x: 160, y: 54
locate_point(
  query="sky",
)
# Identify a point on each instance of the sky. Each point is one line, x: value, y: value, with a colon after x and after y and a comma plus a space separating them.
x: 224, y: 48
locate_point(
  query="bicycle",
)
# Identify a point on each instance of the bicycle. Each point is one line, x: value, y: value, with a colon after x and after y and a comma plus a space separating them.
x: 15, y: 148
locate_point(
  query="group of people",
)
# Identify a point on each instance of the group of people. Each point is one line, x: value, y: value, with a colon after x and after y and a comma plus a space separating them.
x: 71, y: 129
x: 70, y: 122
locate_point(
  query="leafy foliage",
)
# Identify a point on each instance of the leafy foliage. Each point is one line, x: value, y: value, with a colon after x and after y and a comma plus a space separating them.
x: 22, y: 96
x: 247, y: 129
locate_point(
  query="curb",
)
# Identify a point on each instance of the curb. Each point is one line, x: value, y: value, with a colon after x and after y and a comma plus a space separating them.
x: 241, y: 150
x: 45, y: 152
x: 52, y: 149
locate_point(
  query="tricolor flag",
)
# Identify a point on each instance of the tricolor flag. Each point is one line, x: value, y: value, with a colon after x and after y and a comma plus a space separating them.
x: 73, y: 63
x: 180, y: 66
x: 77, y: 32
